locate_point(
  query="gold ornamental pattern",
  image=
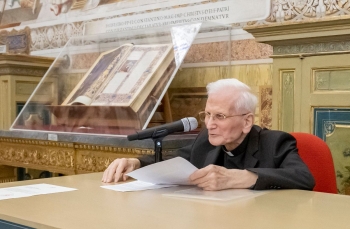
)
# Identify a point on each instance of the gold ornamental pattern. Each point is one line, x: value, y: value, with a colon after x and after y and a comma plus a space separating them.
x: 63, y: 157
x: 38, y: 154
x: 66, y: 158
x: 97, y: 158
x: 297, y: 10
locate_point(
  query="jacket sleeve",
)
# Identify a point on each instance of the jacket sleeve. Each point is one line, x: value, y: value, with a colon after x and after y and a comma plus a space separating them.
x: 288, y: 171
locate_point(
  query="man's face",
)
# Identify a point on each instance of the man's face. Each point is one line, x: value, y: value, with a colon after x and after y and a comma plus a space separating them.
x: 229, y: 132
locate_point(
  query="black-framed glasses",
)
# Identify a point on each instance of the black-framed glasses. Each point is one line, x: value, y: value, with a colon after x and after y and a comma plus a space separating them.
x: 206, y: 115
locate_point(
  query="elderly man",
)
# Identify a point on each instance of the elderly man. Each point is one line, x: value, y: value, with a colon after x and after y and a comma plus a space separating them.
x: 232, y: 152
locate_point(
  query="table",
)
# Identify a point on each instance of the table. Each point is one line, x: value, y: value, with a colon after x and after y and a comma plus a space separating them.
x: 94, y: 207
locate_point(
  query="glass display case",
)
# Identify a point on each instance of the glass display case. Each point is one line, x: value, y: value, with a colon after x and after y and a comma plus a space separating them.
x: 111, y: 83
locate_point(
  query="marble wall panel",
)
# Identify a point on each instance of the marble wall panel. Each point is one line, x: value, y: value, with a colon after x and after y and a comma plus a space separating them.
x: 265, y: 106
x: 250, y: 50
x: 218, y: 51
x: 83, y: 61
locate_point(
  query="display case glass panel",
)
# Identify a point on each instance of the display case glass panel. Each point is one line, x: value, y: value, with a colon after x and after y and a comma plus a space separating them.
x: 111, y: 83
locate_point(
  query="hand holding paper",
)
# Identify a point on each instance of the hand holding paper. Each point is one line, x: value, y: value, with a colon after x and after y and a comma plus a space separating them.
x: 167, y: 173
x: 173, y: 171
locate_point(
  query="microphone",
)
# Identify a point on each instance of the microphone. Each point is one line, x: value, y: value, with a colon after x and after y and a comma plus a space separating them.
x: 184, y: 125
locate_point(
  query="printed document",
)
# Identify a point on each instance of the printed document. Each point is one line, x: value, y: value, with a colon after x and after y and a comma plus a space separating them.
x: 163, y: 174
x: 31, y: 190
x: 175, y: 172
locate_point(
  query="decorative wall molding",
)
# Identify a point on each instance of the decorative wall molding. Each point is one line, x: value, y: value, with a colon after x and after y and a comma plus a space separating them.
x: 301, y: 10
x: 16, y: 41
x: 120, y: 150
x: 322, y: 47
x: 52, y: 37
x: 59, y: 159
x: 22, y: 71
x: 92, y: 163
x: 63, y: 157
x: 97, y: 160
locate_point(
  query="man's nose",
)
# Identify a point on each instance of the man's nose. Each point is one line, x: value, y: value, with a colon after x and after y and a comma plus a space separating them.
x: 210, y: 123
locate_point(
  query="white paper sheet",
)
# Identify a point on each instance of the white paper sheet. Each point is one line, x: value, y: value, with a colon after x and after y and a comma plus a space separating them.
x: 173, y: 171
x: 135, y: 186
x: 31, y: 190
x: 40, y: 189
x: 8, y: 194
x: 163, y: 174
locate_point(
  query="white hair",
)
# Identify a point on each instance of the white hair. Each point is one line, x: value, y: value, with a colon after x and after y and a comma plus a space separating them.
x: 246, y: 100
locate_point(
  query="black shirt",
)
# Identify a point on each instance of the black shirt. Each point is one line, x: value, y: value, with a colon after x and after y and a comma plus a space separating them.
x: 236, y: 161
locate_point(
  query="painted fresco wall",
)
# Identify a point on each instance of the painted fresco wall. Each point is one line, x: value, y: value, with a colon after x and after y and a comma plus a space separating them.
x: 20, y: 12
x: 53, y: 22
x: 50, y: 23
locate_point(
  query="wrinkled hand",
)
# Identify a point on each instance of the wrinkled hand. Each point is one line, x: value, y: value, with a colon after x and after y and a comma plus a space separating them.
x: 213, y: 177
x: 117, y: 170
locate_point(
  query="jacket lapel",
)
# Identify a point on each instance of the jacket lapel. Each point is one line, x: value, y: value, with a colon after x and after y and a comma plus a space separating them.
x: 212, y: 156
x: 250, y: 161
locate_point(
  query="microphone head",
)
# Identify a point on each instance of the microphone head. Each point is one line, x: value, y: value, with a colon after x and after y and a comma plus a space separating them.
x: 189, y: 123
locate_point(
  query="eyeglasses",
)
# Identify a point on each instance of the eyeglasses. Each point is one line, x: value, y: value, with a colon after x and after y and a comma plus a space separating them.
x: 206, y: 115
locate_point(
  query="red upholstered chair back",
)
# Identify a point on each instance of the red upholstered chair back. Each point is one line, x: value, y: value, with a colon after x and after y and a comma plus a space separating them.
x: 317, y: 156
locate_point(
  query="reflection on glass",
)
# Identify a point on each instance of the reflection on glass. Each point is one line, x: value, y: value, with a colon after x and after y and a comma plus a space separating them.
x: 109, y: 83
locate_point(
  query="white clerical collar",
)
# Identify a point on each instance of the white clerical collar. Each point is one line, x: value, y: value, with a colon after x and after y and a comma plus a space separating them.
x: 226, y: 151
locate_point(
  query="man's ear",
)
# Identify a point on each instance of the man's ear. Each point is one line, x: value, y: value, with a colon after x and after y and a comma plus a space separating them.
x: 248, y: 122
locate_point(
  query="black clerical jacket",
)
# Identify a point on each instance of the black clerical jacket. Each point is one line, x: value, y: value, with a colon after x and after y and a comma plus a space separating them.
x: 271, y: 154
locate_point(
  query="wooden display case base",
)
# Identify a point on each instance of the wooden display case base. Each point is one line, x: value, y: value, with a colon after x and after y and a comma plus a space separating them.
x: 7, y: 174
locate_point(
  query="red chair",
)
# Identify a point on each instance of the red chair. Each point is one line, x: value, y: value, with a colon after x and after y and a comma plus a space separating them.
x: 317, y: 156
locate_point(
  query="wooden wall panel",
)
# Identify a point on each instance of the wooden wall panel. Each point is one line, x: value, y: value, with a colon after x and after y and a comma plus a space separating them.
x: 189, y: 85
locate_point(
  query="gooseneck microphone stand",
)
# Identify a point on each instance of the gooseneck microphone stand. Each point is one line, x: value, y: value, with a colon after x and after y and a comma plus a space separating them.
x: 157, y: 138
